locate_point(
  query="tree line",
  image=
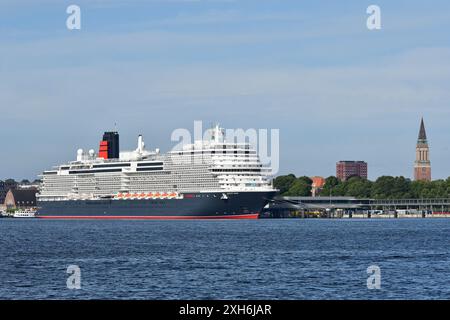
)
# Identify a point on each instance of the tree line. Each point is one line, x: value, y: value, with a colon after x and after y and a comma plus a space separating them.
x: 22, y: 182
x: 385, y: 187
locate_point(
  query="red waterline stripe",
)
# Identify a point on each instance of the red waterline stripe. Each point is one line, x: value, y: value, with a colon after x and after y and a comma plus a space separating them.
x: 241, y: 216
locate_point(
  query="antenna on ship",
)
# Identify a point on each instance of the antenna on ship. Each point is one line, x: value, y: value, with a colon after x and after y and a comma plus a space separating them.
x: 217, y: 133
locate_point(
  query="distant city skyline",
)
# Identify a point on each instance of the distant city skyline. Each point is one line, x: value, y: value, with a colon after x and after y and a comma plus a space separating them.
x: 335, y: 89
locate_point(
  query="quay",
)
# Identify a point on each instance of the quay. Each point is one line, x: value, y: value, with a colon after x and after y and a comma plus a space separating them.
x: 350, y: 207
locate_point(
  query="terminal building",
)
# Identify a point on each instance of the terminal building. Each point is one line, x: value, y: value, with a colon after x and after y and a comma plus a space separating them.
x: 288, y: 207
x: 338, y: 207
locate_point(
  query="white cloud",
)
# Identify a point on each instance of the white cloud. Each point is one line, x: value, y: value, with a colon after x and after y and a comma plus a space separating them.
x: 406, y: 83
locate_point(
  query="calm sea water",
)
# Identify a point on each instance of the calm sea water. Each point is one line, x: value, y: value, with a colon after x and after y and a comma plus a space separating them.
x: 262, y: 259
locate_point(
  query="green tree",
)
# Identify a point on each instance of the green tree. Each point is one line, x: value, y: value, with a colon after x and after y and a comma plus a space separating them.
x: 382, y: 187
x: 358, y: 187
x: 284, y: 183
x: 330, y: 184
x: 418, y: 189
x: 300, y: 188
x: 401, y: 188
x: 385, y: 187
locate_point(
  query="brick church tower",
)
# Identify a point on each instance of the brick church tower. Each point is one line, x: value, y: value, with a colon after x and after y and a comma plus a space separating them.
x: 422, y: 165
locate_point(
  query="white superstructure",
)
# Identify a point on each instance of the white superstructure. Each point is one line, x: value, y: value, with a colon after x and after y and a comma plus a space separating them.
x: 212, y: 165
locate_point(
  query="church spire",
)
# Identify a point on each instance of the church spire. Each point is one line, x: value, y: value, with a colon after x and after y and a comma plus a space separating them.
x: 422, y: 132
x: 422, y: 165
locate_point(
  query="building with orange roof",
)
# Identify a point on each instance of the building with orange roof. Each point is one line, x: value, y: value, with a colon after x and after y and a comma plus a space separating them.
x: 317, y: 185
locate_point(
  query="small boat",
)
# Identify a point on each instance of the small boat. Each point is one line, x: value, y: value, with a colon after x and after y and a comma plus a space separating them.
x: 24, y: 213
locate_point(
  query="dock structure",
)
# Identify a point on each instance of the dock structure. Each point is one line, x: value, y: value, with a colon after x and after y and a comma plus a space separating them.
x: 339, y: 207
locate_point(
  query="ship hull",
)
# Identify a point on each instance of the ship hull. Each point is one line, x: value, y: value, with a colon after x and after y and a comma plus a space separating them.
x: 238, y: 205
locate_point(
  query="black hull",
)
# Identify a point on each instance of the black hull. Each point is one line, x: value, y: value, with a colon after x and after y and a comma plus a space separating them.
x: 239, y: 205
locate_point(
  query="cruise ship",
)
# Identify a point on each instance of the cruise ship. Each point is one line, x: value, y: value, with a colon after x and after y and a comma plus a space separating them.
x: 207, y: 179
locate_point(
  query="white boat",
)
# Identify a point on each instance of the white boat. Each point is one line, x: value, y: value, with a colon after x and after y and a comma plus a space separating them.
x: 24, y: 213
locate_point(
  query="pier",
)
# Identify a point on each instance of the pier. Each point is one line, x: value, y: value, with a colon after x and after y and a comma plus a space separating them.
x: 349, y: 207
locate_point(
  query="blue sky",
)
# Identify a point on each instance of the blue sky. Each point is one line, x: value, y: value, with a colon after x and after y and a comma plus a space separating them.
x: 312, y: 69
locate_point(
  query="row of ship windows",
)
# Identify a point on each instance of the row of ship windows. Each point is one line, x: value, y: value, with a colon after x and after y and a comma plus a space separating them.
x: 87, y: 169
x: 108, y: 165
x: 236, y: 170
x: 93, y: 184
x: 198, y: 152
x: 114, y: 165
x: 113, y: 170
x: 93, y: 180
x: 144, y: 168
x: 89, y: 181
x: 194, y: 177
